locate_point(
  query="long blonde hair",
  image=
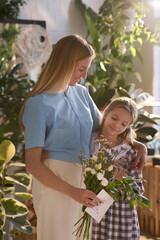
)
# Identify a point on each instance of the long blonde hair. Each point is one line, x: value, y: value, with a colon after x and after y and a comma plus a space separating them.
x: 129, y: 105
x: 59, y: 68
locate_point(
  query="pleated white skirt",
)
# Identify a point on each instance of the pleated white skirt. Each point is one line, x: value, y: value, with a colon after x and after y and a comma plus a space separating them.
x: 56, y: 212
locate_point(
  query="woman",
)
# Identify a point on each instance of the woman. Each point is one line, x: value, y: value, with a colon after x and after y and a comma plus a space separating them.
x: 58, y: 117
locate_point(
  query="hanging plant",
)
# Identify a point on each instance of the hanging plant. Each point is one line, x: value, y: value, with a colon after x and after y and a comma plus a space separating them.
x: 9, y: 9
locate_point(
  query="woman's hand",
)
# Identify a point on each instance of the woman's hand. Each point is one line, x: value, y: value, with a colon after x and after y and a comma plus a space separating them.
x: 85, y: 197
x: 119, y: 172
x: 141, y: 157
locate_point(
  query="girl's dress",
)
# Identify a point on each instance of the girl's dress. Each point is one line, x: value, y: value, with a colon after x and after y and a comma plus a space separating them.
x: 119, y: 222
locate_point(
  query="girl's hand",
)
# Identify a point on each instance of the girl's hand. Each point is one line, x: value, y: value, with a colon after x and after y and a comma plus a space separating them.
x: 44, y: 156
x: 85, y: 197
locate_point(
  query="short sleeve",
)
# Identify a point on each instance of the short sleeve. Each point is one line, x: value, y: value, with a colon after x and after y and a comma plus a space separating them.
x: 93, y: 147
x: 35, y: 124
x: 96, y: 114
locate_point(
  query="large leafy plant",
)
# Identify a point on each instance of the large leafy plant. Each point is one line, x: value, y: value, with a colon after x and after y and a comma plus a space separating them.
x: 117, y: 33
x: 14, y: 86
x: 11, y: 209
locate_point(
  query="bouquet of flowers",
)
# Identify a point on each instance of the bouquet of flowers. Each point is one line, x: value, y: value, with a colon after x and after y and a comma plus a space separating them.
x: 101, y: 172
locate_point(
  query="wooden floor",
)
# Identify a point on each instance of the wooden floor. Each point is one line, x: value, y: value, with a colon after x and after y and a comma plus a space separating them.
x: 145, y: 236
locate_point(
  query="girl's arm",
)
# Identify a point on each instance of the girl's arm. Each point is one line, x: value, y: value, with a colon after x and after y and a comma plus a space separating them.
x: 140, y: 160
x: 138, y: 184
x: 49, y: 179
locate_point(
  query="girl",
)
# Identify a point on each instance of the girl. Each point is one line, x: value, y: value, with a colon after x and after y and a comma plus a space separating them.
x: 119, y: 221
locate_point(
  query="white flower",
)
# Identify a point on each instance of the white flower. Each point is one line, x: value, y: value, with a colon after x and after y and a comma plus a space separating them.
x: 104, y: 182
x: 110, y: 168
x: 98, y: 166
x: 93, y: 171
x: 99, y: 176
x: 94, y: 157
x: 87, y: 169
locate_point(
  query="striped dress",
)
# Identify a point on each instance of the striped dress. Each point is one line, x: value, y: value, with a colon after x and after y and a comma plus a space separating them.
x: 119, y: 222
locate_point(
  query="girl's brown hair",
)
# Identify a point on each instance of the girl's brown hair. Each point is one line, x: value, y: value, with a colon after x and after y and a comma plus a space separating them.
x: 57, y: 71
x: 129, y: 105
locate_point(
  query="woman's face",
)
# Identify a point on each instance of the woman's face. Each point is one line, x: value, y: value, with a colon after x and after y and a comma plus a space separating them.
x: 117, y: 121
x: 80, y: 71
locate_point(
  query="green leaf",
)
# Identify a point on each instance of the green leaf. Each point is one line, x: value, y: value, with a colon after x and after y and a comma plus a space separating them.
x: 140, y: 40
x: 143, y: 200
x: 110, y: 185
x: 17, y: 164
x: 129, y: 180
x: 102, y: 66
x: 140, y: 56
x: 146, y: 119
x: 2, y: 216
x: 132, y: 203
x: 1, y: 193
x: 7, y: 150
x: 133, y: 51
x: 96, y: 39
x: 1, y: 235
x: 2, y: 162
x: 103, y: 96
x: 114, y: 193
x: 21, y: 224
x: 8, y: 190
x: 20, y: 178
x: 117, y: 43
x: 146, y: 134
x: 2, y: 165
x: 16, y: 69
x: 140, y: 205
x: 13, y: 207
x: 23, y: 195
x: 138, y: 76
x: 138, y: 31
x: 122, y: 92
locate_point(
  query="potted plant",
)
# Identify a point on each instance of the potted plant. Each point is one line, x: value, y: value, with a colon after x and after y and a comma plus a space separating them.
x: 11, y: 209
x: 116, y: 45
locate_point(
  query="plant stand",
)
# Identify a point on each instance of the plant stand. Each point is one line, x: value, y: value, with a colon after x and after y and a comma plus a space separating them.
x: 149, y: 219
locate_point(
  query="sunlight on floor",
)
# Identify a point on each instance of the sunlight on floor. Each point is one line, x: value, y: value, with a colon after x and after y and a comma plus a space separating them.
x: 145, y: 236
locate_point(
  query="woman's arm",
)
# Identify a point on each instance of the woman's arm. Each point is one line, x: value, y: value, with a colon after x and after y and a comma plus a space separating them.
x: 140, y: 160
x: 49, y: 179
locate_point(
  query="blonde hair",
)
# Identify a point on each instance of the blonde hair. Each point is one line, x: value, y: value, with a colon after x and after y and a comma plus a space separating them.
x: 129, y: 105
x: 59, y: 68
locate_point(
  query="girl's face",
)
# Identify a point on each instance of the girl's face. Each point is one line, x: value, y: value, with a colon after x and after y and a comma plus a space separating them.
x: 80, y: 71
x: 117, y: 121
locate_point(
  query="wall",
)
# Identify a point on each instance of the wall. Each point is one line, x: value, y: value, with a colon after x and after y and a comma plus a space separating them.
x: 62, y: 16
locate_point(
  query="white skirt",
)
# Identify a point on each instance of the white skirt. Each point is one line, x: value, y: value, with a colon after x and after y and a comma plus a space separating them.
x: 56, y: 212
